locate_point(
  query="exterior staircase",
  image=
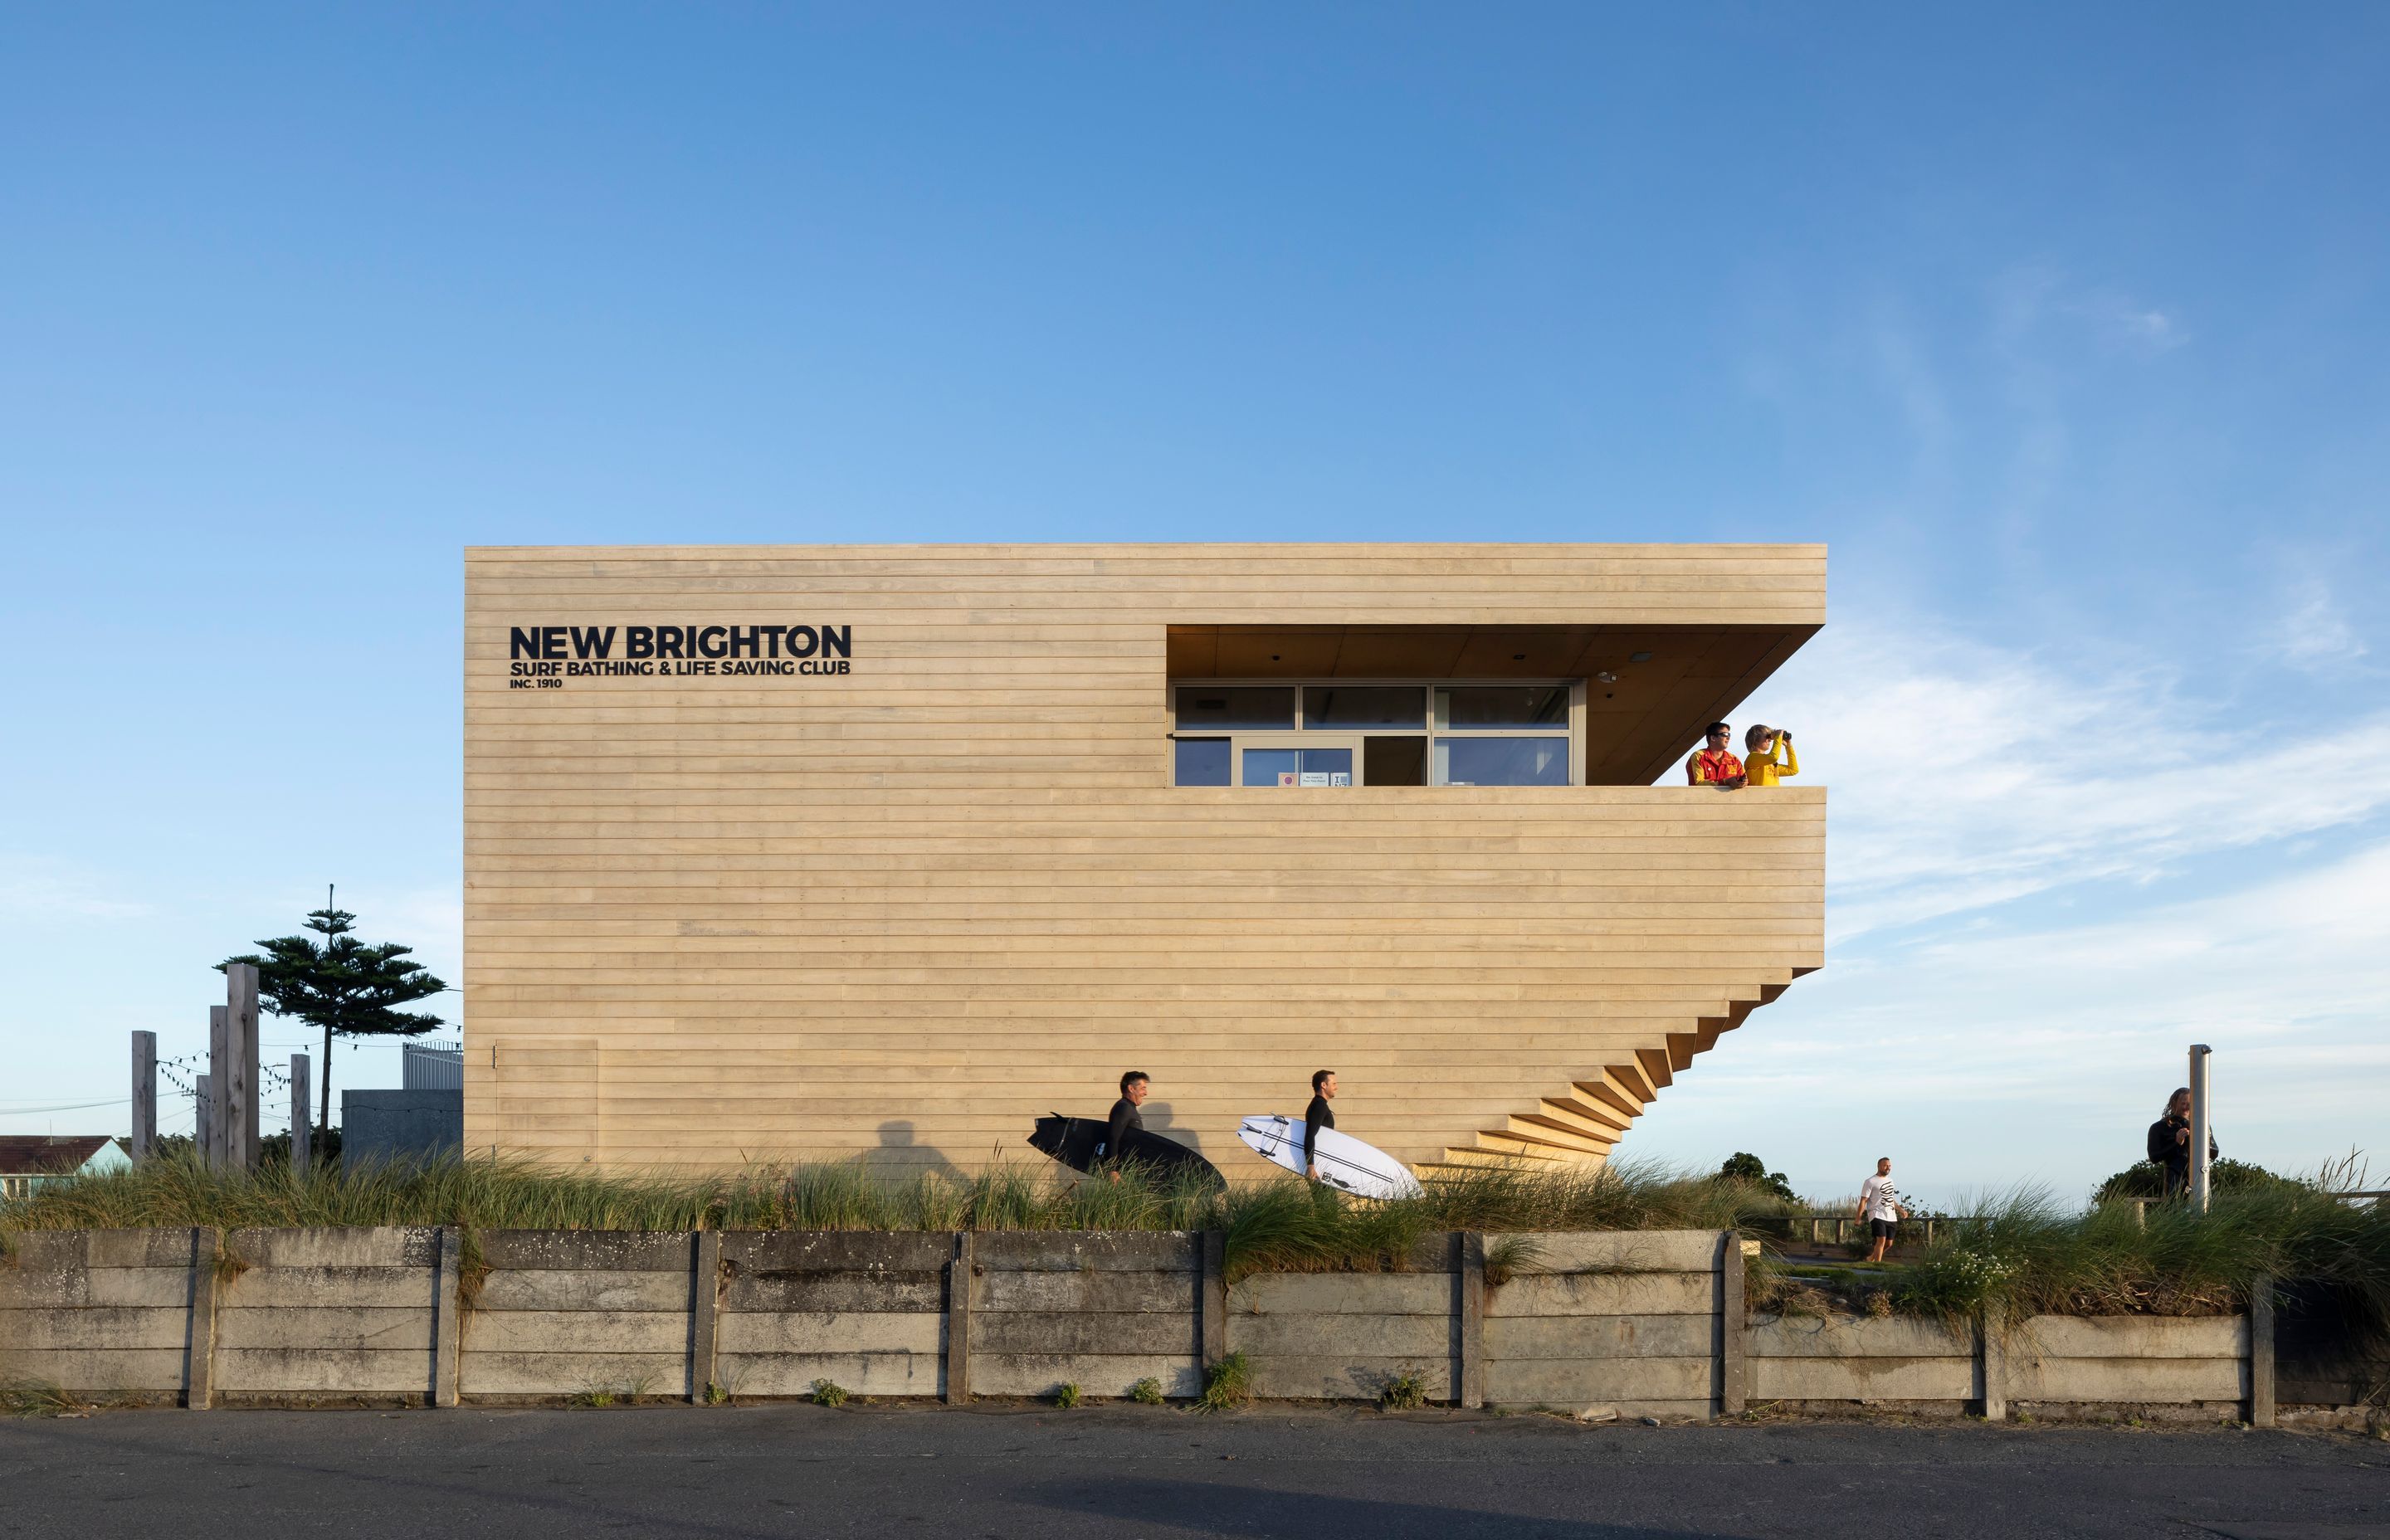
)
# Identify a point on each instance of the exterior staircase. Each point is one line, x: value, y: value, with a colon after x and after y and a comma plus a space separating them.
x: 1579, y: 1125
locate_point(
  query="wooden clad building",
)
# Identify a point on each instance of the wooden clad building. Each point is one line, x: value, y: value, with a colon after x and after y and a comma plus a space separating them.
x: 803, y: 852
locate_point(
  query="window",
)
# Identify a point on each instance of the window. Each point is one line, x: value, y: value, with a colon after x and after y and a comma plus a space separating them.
x: 1371, y: 733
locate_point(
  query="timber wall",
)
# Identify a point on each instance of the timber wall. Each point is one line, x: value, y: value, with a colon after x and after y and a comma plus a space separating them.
x: 1647, y: 1324
x: 901, y: 913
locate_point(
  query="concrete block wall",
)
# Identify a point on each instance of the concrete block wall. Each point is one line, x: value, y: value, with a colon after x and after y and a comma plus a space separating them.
x: 1348, y: 1336
x: 1632, y: 1321
x: 1648, y: 1323
x: 866, y: 1311
x: 1098, y: 1311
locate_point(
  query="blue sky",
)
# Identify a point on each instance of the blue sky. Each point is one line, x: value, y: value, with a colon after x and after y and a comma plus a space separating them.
x: 2062, y: 328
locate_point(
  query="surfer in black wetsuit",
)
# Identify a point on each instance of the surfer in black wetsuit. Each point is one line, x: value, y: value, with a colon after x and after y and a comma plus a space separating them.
x: 1317, y: 1117
x: 1135, y: 1087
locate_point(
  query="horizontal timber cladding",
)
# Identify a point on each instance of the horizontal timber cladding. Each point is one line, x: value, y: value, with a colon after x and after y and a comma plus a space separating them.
x: 900, y: 911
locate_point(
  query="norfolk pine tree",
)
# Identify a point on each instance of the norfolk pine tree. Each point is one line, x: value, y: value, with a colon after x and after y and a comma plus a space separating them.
x: 344, y: 986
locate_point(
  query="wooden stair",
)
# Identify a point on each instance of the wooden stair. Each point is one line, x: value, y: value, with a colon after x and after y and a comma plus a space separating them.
x: 1578, y: 1127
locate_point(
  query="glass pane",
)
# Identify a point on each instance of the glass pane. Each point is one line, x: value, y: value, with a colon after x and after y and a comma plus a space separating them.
x: 1393, y: 761
x: 1271, y: 766
x: 1475, y: 706
x: 1501, y: 762
x: 1203, y: 706
x: 1325, y: 767
x: 1364, y: 706
x: 1203, y: 762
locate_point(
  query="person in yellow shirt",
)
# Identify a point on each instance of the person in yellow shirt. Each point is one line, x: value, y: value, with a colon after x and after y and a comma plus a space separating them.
x: 1769, y: 755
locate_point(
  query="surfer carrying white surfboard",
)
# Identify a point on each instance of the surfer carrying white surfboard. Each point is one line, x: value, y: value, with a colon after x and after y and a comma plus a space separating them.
x: 1317, y: 1117
x: 1135, y: 1087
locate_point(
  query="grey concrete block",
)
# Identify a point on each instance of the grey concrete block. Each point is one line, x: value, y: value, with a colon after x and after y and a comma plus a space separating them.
x: 376, y: 1288
x: 1586, y: 1382
x: 2034, y: 1378
x: 569, y: 1374
x: 326, y: 1328
x: 1629, y: 1250
x: 162, y: 1287
x: 875, y: 1292
x: 1028, y: 1331
x: 545, y: 1288
x: 612, y: 1332
x: 1856, y: 1337
x: 1326, y: 1376
x: 323, y: 1371
x: 97, y: 1372
x: 146, y: 1248
x: 45, y: 1289
x: 1161, y: 1293
x: 587, y: 1250
x: 1604, y: 1294
x: 117, y: 1326
x: 1289, y: 1335
x: 1088, y: 1251
x: 831, y: 1333
x: 385, y: 1246
x: 792, y: 1374
x: 1342, y: 1293
x: 1095, y: 1374
x: 1515, y: 1337
x: 751, y: 1251
x: 2135, y: 1337
x: 1871, y: 1378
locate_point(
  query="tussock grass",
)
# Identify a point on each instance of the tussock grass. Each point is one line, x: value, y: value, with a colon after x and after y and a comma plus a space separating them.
x: 1228, y: 1383
x: 20, y: 1396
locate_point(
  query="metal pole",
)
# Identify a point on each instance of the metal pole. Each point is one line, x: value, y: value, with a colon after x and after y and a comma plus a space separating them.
x: 302, y: 1116
x: 2199, y: 1114
x: 145, y: 1095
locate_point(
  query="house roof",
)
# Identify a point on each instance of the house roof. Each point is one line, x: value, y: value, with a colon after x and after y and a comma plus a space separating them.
x: 47, y: 1154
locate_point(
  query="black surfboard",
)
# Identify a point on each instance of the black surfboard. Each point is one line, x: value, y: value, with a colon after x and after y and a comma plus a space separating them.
x: 1079, y: 1144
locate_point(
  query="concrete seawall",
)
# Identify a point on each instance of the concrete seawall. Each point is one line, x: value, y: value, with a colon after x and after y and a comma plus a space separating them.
x: 1643, y: 1323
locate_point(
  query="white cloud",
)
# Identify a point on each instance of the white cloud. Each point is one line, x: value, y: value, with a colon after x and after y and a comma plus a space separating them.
x: 2316, y: 632
x: 1965, y: 777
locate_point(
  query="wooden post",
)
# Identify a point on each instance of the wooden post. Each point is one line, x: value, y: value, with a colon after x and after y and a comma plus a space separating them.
x: 219, y: 1050
x: 448, y: 1310
x: 145, y: 1095
x: 2261, y: 1353
x: 302, y: 1116
x: 1733, y: 1381
x: 204, y: 1116
x: 240, y: 1090
x: 958, y: 1294
x: 1214, y: 1319
x: 704, y: 1301
x: 199, y: 1340
x: 1469, y: 1293
x: 1992, y: 1361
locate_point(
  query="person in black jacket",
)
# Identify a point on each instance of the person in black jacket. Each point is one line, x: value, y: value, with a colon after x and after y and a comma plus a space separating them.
x: 1135, y: 1087
x: 1315, y: 1117
x: 2170, y: 1143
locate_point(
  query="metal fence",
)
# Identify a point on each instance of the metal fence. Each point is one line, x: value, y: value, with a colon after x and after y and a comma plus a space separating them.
x: 431, y: 1066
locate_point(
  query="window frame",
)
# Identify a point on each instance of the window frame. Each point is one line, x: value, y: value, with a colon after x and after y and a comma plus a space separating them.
x: 1299, y: 737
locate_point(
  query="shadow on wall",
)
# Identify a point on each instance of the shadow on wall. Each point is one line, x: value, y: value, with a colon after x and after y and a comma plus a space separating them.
x: 1157, y: 1121
x: 899, y: 1145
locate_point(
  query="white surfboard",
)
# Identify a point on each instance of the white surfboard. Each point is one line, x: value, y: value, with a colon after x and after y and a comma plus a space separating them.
x: 1345, y: 1162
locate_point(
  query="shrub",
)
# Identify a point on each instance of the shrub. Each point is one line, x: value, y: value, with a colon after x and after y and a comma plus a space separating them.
x: 1066, y: 1395
x: 1228, y: 1381
x: 1747, y: 1167
x: 1404, y: 1392
x: 828, y: 1392
x: 1146, y: 1391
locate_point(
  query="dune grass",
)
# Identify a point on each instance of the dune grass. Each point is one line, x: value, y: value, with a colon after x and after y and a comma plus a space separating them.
x: 1283, y: 1224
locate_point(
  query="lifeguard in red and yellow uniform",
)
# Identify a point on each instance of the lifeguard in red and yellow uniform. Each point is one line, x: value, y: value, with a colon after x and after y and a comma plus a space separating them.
x: 1715, y: 764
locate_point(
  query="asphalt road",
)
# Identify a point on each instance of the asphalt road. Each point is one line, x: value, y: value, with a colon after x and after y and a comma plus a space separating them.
x: 739, y: 1472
